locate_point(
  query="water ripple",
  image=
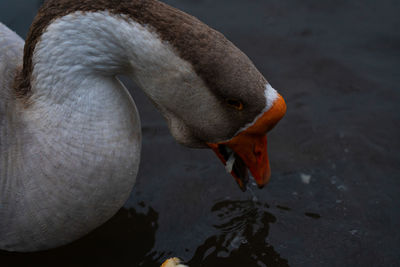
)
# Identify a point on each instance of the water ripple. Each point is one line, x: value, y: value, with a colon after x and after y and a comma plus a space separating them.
x: 243, y: 227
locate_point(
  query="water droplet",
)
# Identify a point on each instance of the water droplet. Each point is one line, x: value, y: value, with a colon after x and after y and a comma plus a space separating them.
x: 353, y: 232
x: 305, y: 178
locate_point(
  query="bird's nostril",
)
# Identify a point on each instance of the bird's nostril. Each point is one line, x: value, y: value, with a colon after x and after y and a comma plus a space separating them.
x: 258, y: 153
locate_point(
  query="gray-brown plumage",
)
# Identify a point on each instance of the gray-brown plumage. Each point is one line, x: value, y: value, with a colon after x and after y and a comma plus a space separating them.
x: 70, y: 134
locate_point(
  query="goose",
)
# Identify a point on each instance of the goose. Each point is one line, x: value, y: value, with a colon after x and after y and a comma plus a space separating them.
x: 70, y: 134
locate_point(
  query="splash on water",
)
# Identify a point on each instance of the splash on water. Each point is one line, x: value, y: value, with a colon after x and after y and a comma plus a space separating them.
x: 243, y: 228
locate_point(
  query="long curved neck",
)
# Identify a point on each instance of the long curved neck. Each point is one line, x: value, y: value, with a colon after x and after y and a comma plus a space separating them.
x: 73, y: 83
x: 83, y: 48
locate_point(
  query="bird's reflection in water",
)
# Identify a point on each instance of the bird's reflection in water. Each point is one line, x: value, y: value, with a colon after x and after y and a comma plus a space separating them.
x: 116, y: 243
x: 243, y: 227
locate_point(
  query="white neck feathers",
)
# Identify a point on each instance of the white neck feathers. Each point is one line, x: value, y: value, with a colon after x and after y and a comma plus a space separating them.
x: 82, y: 46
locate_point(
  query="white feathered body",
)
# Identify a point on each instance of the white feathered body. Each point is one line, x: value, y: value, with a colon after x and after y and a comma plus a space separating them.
x: 69, y: 155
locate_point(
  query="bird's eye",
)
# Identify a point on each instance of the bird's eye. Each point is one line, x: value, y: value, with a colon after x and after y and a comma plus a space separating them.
x: 236, y: 104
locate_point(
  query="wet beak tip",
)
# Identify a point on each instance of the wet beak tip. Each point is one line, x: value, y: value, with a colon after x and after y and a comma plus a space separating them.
x: 261, y: 186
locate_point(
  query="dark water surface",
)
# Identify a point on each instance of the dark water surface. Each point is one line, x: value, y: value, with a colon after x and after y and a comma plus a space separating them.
x: 333, y: 199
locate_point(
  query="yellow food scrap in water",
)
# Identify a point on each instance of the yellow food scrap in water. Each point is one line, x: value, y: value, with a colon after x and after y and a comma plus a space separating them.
x: 173, y: 262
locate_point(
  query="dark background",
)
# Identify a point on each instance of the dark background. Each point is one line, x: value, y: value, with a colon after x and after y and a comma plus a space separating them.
x: 336, y: 62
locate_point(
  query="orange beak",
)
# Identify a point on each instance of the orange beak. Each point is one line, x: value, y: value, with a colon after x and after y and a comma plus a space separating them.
x: 248, y: 150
